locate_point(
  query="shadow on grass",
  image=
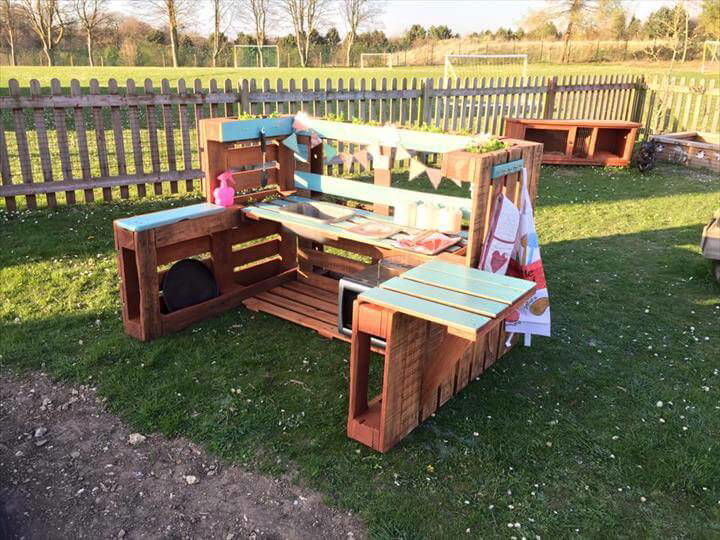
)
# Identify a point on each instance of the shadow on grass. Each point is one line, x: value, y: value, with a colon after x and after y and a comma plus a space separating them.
x: 257, y: 389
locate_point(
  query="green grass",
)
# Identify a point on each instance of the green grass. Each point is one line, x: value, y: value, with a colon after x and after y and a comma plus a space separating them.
x: 569, y: 436
x: 84, y: 74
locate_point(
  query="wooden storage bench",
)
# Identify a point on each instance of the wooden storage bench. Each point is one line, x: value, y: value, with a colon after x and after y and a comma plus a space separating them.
x: 578, y: 142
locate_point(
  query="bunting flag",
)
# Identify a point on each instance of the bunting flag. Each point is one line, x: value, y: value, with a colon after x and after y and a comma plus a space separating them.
x: 329, y: 152
x: 299, y: 123
x: 417, y: 167
x: 402, y: 153
x: 458, y: 183
x: 435, y: 176
x: 314, y: 138
x: 291, y: 142
x: 382, y: 163
x: 373, y: 150
x: 362, y: 157
x: 347, y: 158
x: 302, y: 154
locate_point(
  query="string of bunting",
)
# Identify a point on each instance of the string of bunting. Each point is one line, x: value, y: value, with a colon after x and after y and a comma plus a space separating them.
x: 371, y: 154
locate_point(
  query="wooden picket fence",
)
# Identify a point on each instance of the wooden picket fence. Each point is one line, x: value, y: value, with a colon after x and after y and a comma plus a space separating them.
x: 58, y: 142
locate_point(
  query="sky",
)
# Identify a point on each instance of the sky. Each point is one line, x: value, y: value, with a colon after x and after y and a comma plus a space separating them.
x: 462, y: 16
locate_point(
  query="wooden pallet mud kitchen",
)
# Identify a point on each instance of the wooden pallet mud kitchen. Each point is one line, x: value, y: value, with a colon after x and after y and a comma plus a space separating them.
x: 336, y: 256
x: 578, y: 142
x: 690, y: 148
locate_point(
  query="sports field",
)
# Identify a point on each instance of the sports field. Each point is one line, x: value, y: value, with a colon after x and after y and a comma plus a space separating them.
x: 156, y: 74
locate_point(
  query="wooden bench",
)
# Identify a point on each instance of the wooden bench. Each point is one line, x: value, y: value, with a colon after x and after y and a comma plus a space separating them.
x: 436, y: 319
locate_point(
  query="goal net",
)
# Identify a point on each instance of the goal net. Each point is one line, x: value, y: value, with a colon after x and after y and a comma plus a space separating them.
x: 254, y: 56
x: 710, y: 56
x: 485, y: 65
x: 375, y: 60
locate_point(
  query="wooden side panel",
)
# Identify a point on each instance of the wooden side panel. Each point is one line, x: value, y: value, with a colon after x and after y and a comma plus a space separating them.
x: 402, y: 379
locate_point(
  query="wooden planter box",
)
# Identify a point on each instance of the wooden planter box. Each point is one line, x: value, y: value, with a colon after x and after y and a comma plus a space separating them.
x: 690, y: 148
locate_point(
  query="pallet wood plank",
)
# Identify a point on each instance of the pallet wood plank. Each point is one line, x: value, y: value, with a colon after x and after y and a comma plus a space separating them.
x: 169, y: 128
x: 100, y: 142
x: 134, y: 123
x: 152, y: 130
x: 61, y: 136
x: 184, y: 119
x: 42, y: 142
x: 118, y: 138
x: 21, y: 142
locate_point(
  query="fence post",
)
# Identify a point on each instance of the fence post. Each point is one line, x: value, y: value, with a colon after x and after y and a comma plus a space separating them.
x: 640, y: 94
x: 550, y: 98
x: 426, y: 117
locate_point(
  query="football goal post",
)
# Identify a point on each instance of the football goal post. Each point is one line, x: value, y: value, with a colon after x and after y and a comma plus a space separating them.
x: 374, y: 60
x: 710, y: 55
x: 485, y: 65
x: 254, y: 56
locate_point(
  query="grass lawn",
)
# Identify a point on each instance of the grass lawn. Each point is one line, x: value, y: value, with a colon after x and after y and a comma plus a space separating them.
x: 83, y: 73
x: 610, y: 428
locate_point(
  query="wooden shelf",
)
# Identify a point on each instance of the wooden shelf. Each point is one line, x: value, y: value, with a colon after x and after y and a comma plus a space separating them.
x: 305, y: 303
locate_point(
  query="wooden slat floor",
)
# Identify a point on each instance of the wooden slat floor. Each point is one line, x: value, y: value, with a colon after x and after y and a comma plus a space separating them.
x: 301, y: 303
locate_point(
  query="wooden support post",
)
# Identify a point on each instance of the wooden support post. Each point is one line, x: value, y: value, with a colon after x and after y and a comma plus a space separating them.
x: 384, y: 178
x: 549, y: 108
x: 426, y: 117
x: 149, y: 290
x: 221, y: 254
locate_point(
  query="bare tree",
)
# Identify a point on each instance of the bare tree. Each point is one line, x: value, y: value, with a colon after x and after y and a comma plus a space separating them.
x: 357, y: 14
x: 262, y: 13
x: 220, y: 10
x: 91, y: 15
x: 7, y: 21
x: 306, y: 16
x: 573, y: 12
x: 46, y: 20
x: 171, y: 13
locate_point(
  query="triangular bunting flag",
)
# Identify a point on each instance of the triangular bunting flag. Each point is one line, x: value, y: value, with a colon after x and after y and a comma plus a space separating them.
x: 435, y: 175
x: 347, y: 159
x: 417, y: 167
x: 373, y: 150
x: 382, y: 163
x: 291, y: 142
x: 299, y: 122
x: 329, y: 151
x: 458, y: 183
x: 402, y: 153
x: 314, y: 139
x: 302, y: 154
x: 362, y: 157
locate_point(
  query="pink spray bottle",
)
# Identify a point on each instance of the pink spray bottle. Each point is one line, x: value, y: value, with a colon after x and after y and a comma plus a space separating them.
x: 225, y: 195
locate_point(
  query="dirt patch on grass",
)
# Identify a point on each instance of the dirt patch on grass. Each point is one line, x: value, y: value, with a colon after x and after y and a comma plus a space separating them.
x: 69, y: 469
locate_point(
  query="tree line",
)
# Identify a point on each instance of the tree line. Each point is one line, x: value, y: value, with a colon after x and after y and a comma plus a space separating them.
x: 165, y: 32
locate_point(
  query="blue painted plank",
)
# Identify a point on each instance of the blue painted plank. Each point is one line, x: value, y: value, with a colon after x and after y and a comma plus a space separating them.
x: 521, y: 285
x: 267, y: 211
x: 463, y: 285
x: 464, y: 321
x: 352, y: 189
x: 504, y: 169
x: 466, y: 302
x: 242, y: 130
x: 166, y: 217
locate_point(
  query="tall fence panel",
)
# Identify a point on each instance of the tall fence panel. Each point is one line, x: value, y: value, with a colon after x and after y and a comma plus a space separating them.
x: 678, y: 104
x: 71, y: 144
